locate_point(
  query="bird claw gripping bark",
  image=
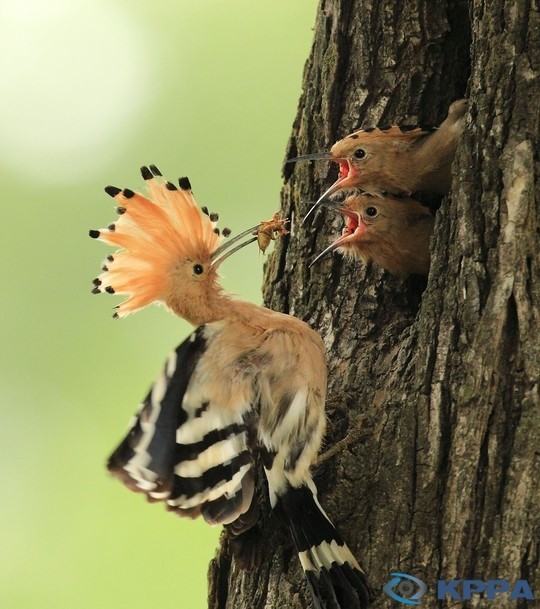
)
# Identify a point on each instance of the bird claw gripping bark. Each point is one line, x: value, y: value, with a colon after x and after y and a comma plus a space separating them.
x: 247, y: 379
x: 351, y: 438
x: 396, y: 160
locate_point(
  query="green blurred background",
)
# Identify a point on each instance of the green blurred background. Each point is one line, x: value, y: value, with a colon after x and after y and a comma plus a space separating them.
x: 90, y: 91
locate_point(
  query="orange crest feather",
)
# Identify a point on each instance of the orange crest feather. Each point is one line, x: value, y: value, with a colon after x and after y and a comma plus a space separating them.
x: 155, y: 234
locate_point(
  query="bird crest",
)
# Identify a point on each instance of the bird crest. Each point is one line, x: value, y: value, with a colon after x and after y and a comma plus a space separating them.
x: 155, y: 234
x: 401, y: 133
x: 393, y: 134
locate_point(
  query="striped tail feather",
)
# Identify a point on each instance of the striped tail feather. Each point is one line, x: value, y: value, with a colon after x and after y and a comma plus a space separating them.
x: 332, y: 572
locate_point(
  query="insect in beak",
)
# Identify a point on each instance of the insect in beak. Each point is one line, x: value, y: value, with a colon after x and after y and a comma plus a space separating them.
x: 270, y: 230
x: 263, y: 233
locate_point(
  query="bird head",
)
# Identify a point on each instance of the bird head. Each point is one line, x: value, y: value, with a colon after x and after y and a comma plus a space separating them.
x: 170, y: 248
x: 393, y: 232
x: 374, y: 160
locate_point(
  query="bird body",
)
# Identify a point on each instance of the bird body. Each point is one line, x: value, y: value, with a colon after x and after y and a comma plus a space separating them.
x: 394, y: 233
x: 238, y: 370
x: 248, y: 379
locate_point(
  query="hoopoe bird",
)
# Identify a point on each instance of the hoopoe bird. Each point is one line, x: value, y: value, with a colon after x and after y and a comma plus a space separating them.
x: 248, y: 379
x: 393, y: 233
x: 396, y: 160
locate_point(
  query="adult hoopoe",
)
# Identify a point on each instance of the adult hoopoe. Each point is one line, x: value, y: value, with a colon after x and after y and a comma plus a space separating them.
x: 247, y: 379
x: 394, y: 233
x: 396, y: 160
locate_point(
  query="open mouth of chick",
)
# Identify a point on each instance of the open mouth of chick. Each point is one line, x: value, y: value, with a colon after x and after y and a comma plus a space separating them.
x: 352, y: 226
x: 344, y: 169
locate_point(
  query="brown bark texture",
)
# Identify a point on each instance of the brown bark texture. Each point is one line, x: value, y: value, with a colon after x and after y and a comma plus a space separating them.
x: 435, y: 387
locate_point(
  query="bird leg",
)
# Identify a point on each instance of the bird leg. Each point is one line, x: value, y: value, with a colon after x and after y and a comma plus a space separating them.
x: 353, y: 435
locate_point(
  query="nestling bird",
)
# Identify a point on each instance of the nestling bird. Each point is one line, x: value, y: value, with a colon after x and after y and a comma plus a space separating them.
x: 392, y: 232
x: 248, y: 379
x: 396, y: 160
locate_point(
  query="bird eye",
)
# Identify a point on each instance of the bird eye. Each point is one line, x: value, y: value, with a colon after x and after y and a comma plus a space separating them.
x: 371, y: 212
x: 198, y: 269
x: 360, y: 153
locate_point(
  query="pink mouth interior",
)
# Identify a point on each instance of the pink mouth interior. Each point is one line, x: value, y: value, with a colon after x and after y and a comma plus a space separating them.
x: 353, y: 230
x: 343, y: 169
x: 346, y: 172
x: 352, y: 224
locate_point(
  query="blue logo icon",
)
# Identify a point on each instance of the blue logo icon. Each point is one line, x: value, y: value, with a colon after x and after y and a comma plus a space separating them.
x: 405, y: 588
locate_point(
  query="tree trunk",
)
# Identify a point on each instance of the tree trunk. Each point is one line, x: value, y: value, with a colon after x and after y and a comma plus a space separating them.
x: 436, y: 390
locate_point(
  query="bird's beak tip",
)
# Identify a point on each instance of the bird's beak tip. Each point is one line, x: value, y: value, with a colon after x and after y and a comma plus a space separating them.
x: 329, y: 249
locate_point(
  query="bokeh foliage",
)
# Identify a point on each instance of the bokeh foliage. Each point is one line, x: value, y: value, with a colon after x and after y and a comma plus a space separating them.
x: 91, y: 91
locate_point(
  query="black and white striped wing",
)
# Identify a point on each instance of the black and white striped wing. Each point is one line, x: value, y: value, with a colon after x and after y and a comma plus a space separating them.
x: 187, y: 447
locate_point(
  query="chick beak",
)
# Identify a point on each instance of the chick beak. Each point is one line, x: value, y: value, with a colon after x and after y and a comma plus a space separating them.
x: 316, y: 156
x: 352, y: 230
x: 344, y: 181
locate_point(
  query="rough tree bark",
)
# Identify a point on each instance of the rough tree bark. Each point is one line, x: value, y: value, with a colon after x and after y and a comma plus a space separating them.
x: 439, y: 389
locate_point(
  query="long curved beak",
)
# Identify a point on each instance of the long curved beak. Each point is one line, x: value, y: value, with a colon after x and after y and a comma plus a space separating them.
x: 327, y: 193
x: 341, y: 240
x: 329, y: 249
x: 337, y: 206
x: 346, y: 172
x: 321, y: 199
x: 316, y: 156
x: 224, y: 251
